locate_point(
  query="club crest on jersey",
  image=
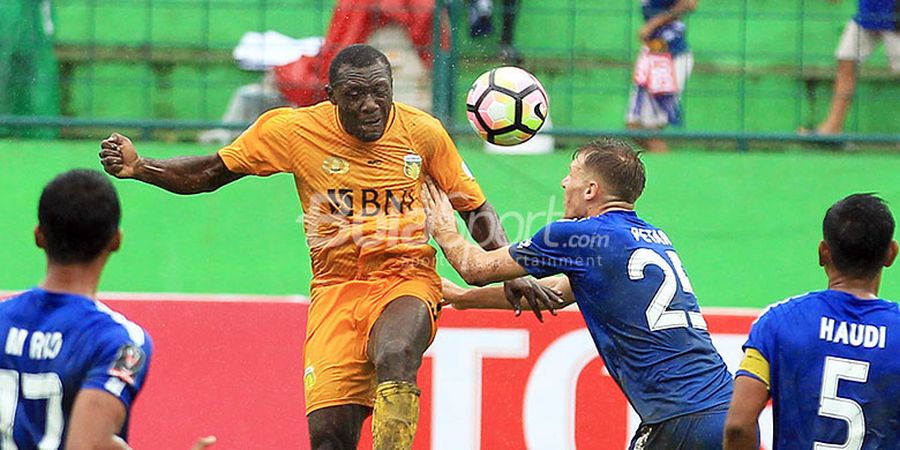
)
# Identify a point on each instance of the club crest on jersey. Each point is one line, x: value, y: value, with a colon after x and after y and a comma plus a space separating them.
x: 412, y: 166
x: 309, y: 377
x: 129, y: 361
x: 335, y: 165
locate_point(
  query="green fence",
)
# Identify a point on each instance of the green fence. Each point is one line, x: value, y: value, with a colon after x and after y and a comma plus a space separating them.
x: 763, y: 67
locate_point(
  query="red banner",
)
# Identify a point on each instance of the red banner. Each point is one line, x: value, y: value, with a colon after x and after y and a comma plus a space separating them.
x: 233, y: 367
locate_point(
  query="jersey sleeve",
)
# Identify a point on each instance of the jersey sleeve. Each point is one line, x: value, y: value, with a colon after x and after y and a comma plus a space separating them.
x: 450, y: 172
x: 548, y: 253
x: 120, y: 366
x: 758, y: 348
x: 264, y: 148
x: 754, y: 365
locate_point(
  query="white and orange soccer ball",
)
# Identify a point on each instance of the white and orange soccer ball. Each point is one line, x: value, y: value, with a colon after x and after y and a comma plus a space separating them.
x: 507, y: 106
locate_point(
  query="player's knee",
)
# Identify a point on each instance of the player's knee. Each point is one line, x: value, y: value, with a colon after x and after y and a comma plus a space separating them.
x: 397, y: 359
x: 330, y: 440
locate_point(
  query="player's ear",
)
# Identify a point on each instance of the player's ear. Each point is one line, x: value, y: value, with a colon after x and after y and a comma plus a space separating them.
x: 329, y: 91
x: 824, y: 254
x: 592, y: 190
x: 39, y: 238
x: 891, y: 254
x: 115, y: 242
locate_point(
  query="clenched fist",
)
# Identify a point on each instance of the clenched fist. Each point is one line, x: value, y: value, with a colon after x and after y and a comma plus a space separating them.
x: 118, y: 156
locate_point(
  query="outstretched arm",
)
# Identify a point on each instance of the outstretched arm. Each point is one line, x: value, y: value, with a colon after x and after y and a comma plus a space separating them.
x: 476, y: 265
x: 181, y: 175
x: 484, y: 227
x: 680, y: 9
x: 493, y: 297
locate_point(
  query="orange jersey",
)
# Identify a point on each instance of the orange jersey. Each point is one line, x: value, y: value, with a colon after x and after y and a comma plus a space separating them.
x: 362, y: 213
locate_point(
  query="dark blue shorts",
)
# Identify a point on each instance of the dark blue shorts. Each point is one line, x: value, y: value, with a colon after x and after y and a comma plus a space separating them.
x: 699, y: 431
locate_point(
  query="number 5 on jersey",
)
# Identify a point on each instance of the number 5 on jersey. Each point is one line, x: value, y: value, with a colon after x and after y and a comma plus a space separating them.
x: 659, y: 316
x: 835, y: 407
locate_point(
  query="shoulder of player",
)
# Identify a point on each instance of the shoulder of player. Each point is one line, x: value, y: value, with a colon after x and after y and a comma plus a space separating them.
x: 114, y: 327
x: 286, y: 118
x: 891, y: 305
x: 573, y: 224
x: 11, y: 301
x: 279, y: 115
x: 789, y: 304
x: 596, y: 224
x: 565, y: 229
x: 593, y: 223
x: 415, y: 119
x: 13, y: 298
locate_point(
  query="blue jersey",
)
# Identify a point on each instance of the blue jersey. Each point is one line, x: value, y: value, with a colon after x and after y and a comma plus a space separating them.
x: 833, y: 370
x: 53, y: 346
x: 640, y: 309
x: 672, y: 32
x: 878, y: 14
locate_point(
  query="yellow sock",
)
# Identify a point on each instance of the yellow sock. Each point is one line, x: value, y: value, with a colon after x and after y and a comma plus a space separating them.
x: 395, y: 416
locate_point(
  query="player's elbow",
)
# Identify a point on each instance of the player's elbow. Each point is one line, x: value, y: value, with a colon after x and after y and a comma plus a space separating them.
x: 690, y: 5
x: 738, y: 432
x: 475, y: 278
x: 475, y: 275
x: 107, y: 443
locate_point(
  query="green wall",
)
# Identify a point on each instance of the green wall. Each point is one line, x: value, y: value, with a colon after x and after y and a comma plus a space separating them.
x: 745, y: 224
x: 582, y: 50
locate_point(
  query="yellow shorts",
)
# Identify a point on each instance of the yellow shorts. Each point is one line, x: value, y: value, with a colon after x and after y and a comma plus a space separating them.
x: 337, y: 370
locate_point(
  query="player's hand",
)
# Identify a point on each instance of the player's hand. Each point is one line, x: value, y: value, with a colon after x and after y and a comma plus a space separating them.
x: 646, y: 31
x: 535, y: 294
x: 118, y: 156
x: 120, y: 443
x: 204, y: 442
x: 452, y: 293
x: 441, y: 221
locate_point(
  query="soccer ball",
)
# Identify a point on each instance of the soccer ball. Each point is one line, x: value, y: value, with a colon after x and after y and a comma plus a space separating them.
x: 507, y: 106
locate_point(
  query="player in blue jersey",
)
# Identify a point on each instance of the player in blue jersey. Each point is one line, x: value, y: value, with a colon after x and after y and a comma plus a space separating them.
x: 630, y: 286
x: 70, y: 367
x: 828, y: 359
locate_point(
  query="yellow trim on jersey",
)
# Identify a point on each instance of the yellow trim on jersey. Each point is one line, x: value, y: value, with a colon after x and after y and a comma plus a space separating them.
x: 755, y: 363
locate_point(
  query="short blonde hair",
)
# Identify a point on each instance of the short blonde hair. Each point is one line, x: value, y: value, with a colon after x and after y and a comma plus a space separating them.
x: 618, y: 165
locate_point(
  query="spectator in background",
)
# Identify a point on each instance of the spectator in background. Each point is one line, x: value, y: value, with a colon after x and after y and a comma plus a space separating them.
x: 655, y: 96
x: 260, y: 52
x: 875, y: 20
x: 245, y: 105
x: 29, y: 78
x: 481, y: 24
x: 353, y: 22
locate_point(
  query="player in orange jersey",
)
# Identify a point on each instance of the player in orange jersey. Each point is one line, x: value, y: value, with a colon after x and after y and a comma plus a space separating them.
x: 358, y: 161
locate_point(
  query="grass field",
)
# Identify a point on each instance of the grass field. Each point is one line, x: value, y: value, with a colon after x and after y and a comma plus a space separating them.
x: 745, y: 224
